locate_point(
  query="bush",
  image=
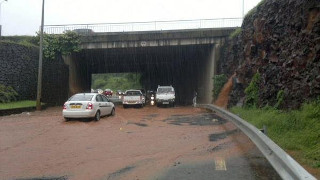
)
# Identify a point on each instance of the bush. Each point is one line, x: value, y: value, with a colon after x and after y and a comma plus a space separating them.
x: 252, y: 91
x: 23, y: 40
x: 218, y: 83
x: 7, y: 94
x: 235, y: 33
x: 60, y: 44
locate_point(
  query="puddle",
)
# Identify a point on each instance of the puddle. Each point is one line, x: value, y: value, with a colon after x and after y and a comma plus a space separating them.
x: 46, y: 178
x: 219, y: 147
x: 150, y: 117
x: 223, y: 135
x: 120, y: 172
x: 207, y: 119
x: 140, y: 124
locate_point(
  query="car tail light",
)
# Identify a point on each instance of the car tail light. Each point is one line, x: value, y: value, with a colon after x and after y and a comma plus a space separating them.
x: 65, y: 106
x: 89, y: 106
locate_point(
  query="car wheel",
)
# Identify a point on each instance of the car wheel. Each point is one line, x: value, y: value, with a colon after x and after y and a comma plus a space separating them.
x: 113, y: 112
x: 125, y: 106
x: 66, y: 119
x: 158, y: 105
x: 97, y: 116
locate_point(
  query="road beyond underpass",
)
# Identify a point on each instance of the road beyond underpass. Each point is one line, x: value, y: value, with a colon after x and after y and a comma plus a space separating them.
x: 136, y: 143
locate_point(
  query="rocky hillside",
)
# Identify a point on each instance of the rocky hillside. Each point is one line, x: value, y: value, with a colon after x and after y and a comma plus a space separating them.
x: 280, y: 39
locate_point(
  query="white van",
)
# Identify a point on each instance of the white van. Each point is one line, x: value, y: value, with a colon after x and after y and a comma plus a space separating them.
x: 165, y: 95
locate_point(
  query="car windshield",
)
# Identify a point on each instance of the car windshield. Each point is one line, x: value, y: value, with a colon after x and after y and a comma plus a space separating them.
x: 165, y: 90
x: 81, y: 97
x: 133, y: 93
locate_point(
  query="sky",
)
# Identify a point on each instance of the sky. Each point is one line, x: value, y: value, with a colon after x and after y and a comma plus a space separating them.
x: 23, y: 17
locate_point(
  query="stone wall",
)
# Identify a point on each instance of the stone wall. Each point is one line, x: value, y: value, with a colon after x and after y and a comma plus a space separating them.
x: 19, y: 69
x: 281, y: 41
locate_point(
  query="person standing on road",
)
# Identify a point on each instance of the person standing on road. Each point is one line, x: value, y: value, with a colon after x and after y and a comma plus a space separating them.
x: 195, y: 94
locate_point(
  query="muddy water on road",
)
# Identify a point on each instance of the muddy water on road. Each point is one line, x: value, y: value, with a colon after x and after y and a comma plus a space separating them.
x: 146, y: 143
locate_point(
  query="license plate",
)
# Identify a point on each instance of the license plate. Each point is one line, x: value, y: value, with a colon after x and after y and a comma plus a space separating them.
x: 75, y: 106
x: 165, y: 103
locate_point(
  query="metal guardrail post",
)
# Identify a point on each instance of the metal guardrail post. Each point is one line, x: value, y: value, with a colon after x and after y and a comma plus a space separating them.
x: 282, y: 162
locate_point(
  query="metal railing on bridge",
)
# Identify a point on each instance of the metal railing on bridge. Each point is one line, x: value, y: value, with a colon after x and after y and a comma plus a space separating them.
x: 144, y: 26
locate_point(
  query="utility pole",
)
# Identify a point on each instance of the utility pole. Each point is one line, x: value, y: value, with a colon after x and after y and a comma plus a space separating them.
x: 0, y: 17
x: 38, y: 105
x: 242, y: 9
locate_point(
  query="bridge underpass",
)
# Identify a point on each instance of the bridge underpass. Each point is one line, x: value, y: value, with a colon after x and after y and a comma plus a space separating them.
x: 184, y: 59
x: 186, y: 68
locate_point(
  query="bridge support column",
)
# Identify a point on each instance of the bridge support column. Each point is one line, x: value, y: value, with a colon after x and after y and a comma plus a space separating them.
x: 78, y: 76
x: 205, y: 83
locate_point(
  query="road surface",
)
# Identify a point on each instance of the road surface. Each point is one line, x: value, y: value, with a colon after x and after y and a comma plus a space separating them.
x: 136, y: 143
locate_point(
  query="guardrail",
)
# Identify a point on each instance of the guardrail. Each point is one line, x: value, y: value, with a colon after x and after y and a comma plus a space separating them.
x: 144, y: 26
x: 283, y: 163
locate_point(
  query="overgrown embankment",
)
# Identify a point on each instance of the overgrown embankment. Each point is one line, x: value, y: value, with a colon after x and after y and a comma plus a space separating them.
x: 281, y: 41
x: 296, y: 131
x: 275, y: 56
x: 19, y: 72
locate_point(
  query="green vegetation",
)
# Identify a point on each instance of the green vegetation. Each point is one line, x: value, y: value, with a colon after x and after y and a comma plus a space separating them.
x: 235, y: 33
x: 7, y: 94
x: 280, y: 97
x: 253, y: 10
x: 29, y: 41
x: 116, y: 81
x: 297, y: 130
x: 18, y: 104
x: 252, y: 91
x: 218, y: 83
x: 60, y: 44
x: 54, y: 44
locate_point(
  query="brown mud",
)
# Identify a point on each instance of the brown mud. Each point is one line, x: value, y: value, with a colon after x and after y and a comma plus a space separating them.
x: 223, y: 98
x: 133, y: 144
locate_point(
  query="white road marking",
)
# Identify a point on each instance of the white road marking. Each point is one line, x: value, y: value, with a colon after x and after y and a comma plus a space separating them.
x: 220, y: 164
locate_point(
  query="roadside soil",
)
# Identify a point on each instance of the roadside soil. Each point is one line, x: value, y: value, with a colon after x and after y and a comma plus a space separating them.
x: 136, y: 143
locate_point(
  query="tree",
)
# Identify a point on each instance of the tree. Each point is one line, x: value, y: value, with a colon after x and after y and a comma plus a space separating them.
x: 60, y: 44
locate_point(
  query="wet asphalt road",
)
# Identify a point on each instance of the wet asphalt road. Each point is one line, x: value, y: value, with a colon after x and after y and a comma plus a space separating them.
x: 137, y: 143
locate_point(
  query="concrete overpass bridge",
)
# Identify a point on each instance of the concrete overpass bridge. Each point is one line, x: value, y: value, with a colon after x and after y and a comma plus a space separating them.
x: 184, y: 58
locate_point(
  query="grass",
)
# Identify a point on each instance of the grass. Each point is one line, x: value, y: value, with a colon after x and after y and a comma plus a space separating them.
x: 296, y: 131
x: 18, y: 104
x: 21, y: 43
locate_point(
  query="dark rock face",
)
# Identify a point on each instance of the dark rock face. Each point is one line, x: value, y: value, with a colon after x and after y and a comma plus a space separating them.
x: 19, y: 69
x: 281, y: 41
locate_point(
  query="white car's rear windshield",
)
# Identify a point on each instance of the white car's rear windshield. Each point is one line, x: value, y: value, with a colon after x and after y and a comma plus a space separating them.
x: 81, y: 97
x: 165, y: 90
x: 133, y: 93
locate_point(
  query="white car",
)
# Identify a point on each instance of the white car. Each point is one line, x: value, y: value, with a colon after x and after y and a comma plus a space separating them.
x: 133, y: 98
x: 87, y: 105
x: 165, y: 95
